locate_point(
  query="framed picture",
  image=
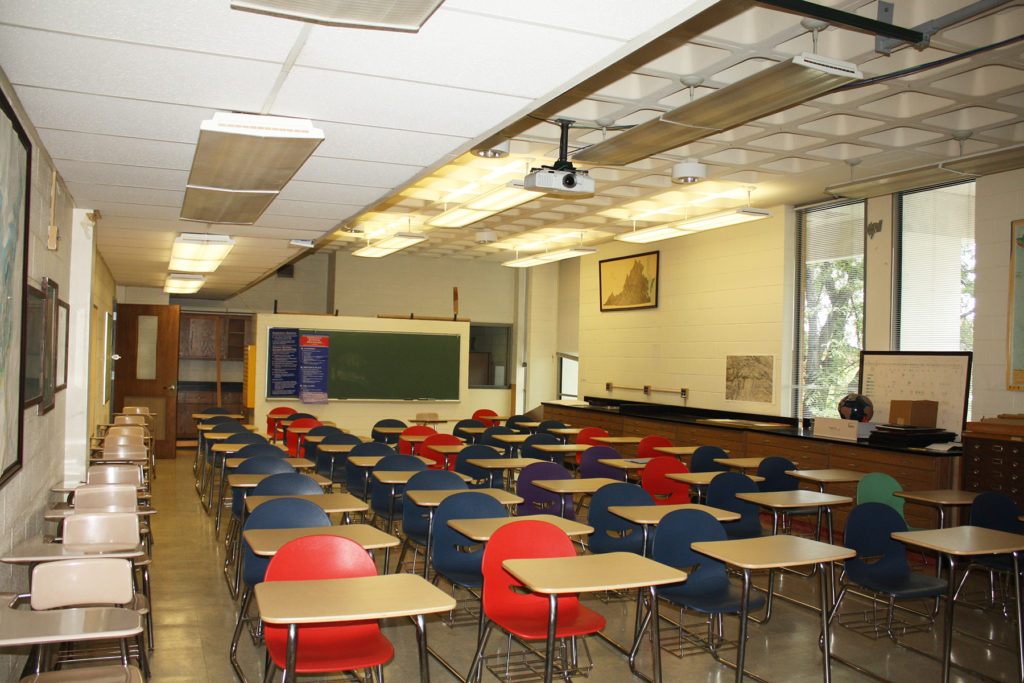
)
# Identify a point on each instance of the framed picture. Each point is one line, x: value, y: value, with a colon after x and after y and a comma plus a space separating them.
x: 63, y: 313
x: 1015, y: 316
x: 49, y: 346
x: 15, y: 173
x: 34, y: 336
x: 629, y: 282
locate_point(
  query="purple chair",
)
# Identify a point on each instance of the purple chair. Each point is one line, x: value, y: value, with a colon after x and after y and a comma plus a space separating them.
x: 537, y: 501
x: 590, y: 467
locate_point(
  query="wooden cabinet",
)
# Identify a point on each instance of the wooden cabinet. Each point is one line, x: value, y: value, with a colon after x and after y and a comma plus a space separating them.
x: 994, y: 460
x: 211, y: 352
x: 199, y: 335
x: 805, y: 454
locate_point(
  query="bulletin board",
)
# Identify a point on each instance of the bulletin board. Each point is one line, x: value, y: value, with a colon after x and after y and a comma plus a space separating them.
x: 918, y: 376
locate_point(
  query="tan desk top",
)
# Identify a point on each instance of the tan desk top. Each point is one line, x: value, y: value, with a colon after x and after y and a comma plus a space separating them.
x: 203, y: 416
x: 389, y: 430
x: 221, y: 436
x: 793, y: 499
x: 416, y: 438
x: 336, y: 447
x: 317, y: 438
x: 213, y: 429
x: 431, y: 498
x: 583, y: 573
x: 369, y: 461
x: 133, y: 458
x: 611, y: 440
x: 828, y: 476
x: 482, y: 529
x: 449, y: 448
x: 530, y: 424
x: 266, y: 542
x: 403, y: 476
x: 701, y: 478
x: 566, y: 431
x: 963, y: 540
x: 431, y: 420
x: 502, y: 463
x: 250, y: 481
x: 939, y: 496
x: 39, y: 549
x: 61, y: 510
x: 330, y: 600
x: 625, y: 463
x: 740, y: 463
x: 474, y: 430
x: 561, y: 447
x: 328, y: 502
x: 297, y: 463
x: 768, y: 552
x: 676, y: 450
x: 587, y: 485
x: 653, y: 514
x: 235, y: 447
x: 511, y: 438
x: 31, y: 627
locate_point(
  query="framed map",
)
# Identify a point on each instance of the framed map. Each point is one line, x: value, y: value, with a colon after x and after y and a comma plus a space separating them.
x: 15, y: 172
x: 629, y: 282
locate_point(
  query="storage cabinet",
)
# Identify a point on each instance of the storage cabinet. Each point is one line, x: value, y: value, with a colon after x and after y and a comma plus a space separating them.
x: 211, y: 353
x: 994, y: 461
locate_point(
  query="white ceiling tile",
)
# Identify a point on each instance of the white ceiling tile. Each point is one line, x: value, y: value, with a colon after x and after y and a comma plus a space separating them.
x: 901, y: 137
x: 330, y: 193
x: 91, y: 193
x: 787, y: 116
x: 1014, y: 132
x: 387, y: 145
x: 752, y: 26
x: 793, y: 165
x: 906, y: 105
x: 832, y: 42
x: 355, y: 172
x: 845, y: 97
x: 116, y: 174
x: 840, y: 124
x: 844, y: 150
x: 109, y: 149
x: 682, y: 97
x: 737, y: 156
x: 688, y: 59
x: 989, y: 29
x: 747, y: 67
x: 985, y: 80
x: 311, y: 210
x: 969, y: 118
x: 951, y: 148
x: 785, y: 141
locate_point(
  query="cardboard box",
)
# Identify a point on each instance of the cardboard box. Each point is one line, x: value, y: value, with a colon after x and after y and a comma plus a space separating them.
x: 834, y: 428
x: 913, y: 413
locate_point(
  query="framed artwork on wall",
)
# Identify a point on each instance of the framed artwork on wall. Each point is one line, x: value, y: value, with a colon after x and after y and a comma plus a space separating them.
x: 63, y: 314
x: 49, y: 346
x: 15, y: 174
x: 629, y: 282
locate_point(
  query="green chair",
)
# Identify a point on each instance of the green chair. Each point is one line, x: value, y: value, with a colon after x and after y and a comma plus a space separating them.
x: 878, y: 487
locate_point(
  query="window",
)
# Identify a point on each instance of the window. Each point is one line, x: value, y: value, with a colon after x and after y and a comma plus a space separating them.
x: 934, y: 307
x: 489, y: 355
x: 568, y: 376
x: 829, y: 307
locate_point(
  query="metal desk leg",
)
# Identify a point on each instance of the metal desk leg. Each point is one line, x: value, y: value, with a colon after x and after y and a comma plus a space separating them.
x: 421, y: 642
x: 741, y: 646
x: 1020, y: 615
x: 549, y: 657
x: 289, y: 671
x: 824, y: 586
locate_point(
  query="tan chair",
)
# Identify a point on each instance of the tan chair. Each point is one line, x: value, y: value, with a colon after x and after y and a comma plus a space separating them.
x: 128, y: 429
x: 130, y: 420
x: 113, y: 473
x: 105, y: 498
x: 99, y: 581
x: 110, y: 673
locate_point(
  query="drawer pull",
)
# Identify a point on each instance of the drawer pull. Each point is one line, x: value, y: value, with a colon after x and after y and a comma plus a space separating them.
x: 997, y: 448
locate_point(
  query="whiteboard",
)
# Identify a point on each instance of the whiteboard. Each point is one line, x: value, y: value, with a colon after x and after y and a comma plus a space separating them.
x: 918, y: 376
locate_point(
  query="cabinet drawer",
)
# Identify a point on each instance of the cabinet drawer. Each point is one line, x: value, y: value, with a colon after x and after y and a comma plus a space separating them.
x: 791, y: 443
x: 883, y: 457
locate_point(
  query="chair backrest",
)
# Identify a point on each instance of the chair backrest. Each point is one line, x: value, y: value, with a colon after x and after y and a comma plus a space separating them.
x: 869, y: 529
x: 127, y: 430
x: 879, y: 487
x: 663, y: 490
x: 722, y: 494
x: 309, y: 448
x: 287, y: 484
x: 468, y: 422
x: 454, y: 555
x: 245, y: 437
x: 487, y: 438
x: 587, y: 434
x: 254, y: 449
x: 257, y: 464
x: 481, y: 477
x: 426, y: 416
x: 546, y: 425
x: 355, y: 477
x: 486, y: 416
x: 611, y: 532
x: 279, y: 513
x: 996, y: 511
x: 115, y: 474
x: 130, y: 420
x: 228, y: 426
x: 513, y: 423
x: 216, y: 419
x: 703, y: 459
x: 506, y: 596
x: 105, y: 498
x: 126, y: 451
x: 333, y: 464
x: 215, y: 410
x: 386, y: 422
x: 292, y: 439
x: 135, y: 410
x: 774, y: 469
x: 80, y: 583
x: 427, y: 451
x: 537, y: 501
x: 405, y: 446
x: 676, y: 532
x: 111, y: 530
x: 645, y: 449
x: 415, y: 518
x: 279, y: 412
x: 590, y: 467
x: 380, y: 493
x: 528, y: 451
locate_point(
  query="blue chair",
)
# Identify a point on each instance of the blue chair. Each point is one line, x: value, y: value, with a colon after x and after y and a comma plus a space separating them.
x: 308, y: 449
x: 880, y: 565
x: 538, y: 501
x: 386, y: 438
x: 257, y: 464
x: 416, y: 518
x: 703, y: 459
x: 480, y: 478
x: 263, y: 448
x: 327, y: 463
x: 281, y: 513
x: 487, y: 438
x: 546, y: 425
x: 357, y: 479
x: 775, y: 470
x: 386, y: 499
x: 215, y: 461
x: 457, y: 430
x: 287, y: 484
x: 722, y: 494
x: 590, y: 467
x: 611, y: 532
x: 995, y: 511
x: 707, y: 589
x: 527, y: 449
x: 513, y: 423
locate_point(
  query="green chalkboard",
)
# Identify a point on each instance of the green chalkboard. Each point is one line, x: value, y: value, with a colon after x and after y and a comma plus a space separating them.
x: 392, y: 365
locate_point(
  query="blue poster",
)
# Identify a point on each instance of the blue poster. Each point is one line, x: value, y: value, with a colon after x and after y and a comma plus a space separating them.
x: 283, y: 375
x: 314, y: 350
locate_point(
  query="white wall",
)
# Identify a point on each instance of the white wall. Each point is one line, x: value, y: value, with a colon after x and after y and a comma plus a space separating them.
x: 542, y: 329
x: 721, y: 292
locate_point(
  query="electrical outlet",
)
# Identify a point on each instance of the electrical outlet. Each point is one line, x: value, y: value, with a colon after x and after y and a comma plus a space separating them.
x: 647, y: 389
x: 683, y: 393
x: 607, y: 386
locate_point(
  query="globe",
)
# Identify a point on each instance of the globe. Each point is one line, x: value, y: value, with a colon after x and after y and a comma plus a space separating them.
x: 856, y: 407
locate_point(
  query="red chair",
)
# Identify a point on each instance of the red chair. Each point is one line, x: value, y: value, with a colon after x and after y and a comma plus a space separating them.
x: 326, y: 647
x: 292, y: 438
x: 439, y: 458
x: 407, y: 447
x: 486, y: 416
x: 663, y: 490
x: 645, y: 449
x: 586, y: 436
x: 274, y: 418
x: 519, y: 612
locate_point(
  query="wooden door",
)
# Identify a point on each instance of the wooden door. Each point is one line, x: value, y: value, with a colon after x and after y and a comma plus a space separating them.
x: 146, y: 367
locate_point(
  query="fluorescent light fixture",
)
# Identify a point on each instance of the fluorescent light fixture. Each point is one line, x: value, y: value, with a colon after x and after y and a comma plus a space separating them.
x: 778, y: 87
x: 241, y: 162
x: 503, y: 198
x: 389, y: 244
x: 654, y: 233
x: 302, y: 244
x: 183, y: 283
x: 397, y: 15
x: 458, y: 217
x: 709, y: 221
x: 549, y: 257
x: 197, y: 253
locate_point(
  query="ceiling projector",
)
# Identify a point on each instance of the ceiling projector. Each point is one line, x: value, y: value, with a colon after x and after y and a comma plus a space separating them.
x: 561, y: 183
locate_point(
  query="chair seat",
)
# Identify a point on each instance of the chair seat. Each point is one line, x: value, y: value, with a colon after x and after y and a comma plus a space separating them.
x: 318, y: 650
x: 575, y: 620
x: 913, y: 585
x: 464, y: 579
x: 724, y: 600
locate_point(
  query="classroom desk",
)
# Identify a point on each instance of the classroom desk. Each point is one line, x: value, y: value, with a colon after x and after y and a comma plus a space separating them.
x: 939, y: 499
x: 511, y: 441
x: 554, y: 576
x: 965, y: 541
x: 585, y: 487
x: 531, y: 425
x: 700, y: 480
x: 387, y: 596
x: 297, y: 463
x: 41, y: 549
x: 832, y: 475
x: 509, y: 465
x: 618, y: 441
x: 250, y: 481
x: 628, y: 465
x: 474, y: 432
x: 343, y: 503
x: 448, y: 450
x: 651, y: 515
x: 780, y: 501
x: 482, y: 528
x: 390, y: 431
x: 203, y: 416
x: 776, y: 552
x: 565, y: 432
x: 393, y: 479
x: 561, y: 449
x: 266, y: 542
x: 431, y: 420
x: 21, y: 627
x: 59, y: 511
x: 741, y: 464
x: 367, y: 462
x: 333, y: 450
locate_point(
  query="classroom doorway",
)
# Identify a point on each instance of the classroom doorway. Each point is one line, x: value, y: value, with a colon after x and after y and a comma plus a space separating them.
x: 145, y: 367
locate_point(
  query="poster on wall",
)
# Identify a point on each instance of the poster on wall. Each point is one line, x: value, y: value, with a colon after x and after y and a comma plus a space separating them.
x: 749, y: 378
x: 283, y: 362
x: 15, y: 172
x: 629, y: 282
x: 314, y: 353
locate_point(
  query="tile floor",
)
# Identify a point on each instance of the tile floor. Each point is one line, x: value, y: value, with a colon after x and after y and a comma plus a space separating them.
x: 195, y: 616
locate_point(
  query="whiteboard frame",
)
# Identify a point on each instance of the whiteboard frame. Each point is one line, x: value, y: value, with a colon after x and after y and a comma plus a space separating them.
x: 963, y: 370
